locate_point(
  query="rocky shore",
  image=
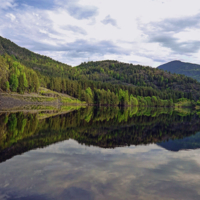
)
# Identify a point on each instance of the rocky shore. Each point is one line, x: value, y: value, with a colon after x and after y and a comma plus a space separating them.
x: 8, y: 101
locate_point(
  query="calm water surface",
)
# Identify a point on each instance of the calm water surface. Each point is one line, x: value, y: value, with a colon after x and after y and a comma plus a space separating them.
x: 100, y: 154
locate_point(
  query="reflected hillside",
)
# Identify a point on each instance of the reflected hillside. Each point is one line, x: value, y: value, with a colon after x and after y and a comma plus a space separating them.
x: 104, y: 127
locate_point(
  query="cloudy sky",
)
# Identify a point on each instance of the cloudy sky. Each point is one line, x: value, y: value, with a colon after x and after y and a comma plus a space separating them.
x: 147, y: 32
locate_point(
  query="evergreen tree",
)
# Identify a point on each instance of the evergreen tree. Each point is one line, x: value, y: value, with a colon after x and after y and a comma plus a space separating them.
x: 13, y: 82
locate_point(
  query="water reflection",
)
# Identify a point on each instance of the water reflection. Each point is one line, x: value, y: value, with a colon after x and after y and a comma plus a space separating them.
x: 105, y: 153
x: 71, y: 171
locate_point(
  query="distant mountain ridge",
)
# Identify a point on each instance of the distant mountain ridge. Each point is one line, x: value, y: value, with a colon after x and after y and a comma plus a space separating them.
x: 178, y: 67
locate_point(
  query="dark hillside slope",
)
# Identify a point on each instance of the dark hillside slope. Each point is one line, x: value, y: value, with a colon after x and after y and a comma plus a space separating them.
x: 178, y: 67
x: 43, y: 64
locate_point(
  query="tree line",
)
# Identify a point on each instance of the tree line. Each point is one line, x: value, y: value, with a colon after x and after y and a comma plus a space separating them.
x: 107, y: 94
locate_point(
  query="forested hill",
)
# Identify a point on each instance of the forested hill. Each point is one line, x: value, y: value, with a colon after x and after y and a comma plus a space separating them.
x: 137, y: 76
x: 101, y: 82
x: 178, y: 67
x: 43, y: 64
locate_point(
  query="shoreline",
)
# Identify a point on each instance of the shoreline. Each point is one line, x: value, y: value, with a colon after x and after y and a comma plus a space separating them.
x: 10, y: 101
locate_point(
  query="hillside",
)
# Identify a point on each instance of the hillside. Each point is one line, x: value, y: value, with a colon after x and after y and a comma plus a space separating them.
x: 136, y: 79
x: 178, y: 67
x: 143, y: 80
x: 115, y: 72
x: 43, y: 64
x: 102, y: 82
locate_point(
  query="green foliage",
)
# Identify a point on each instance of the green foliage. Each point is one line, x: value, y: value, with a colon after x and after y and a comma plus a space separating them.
x: 198, y: 102
x: 4, y: 71
x: 25, y: 80
x: 6, y: 119
x: 133, y: 101
x: 7, y: 85
x: 13, y: 82
x: 12, y: 122
x: 21, y: 87
x: 17, y: 77
x: 183, y: 102
x: 89, y: 92
x: 103, y: 97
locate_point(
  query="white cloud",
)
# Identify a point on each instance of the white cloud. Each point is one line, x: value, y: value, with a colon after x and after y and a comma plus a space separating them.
x: 11, y: 16
x: 141, y: 25
x: 5, y: 4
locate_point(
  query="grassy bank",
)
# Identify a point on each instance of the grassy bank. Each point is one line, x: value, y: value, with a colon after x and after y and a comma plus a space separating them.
x: 43, y: 97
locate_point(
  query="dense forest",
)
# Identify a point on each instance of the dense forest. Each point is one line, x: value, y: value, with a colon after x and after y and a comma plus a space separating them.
x: 16, y: 77
x: 103, y: 127
x: 178, y: 67
x: 102, y: 83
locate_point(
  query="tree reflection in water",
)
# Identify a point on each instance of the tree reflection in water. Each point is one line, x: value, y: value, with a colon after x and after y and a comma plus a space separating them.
x: 106, y: 127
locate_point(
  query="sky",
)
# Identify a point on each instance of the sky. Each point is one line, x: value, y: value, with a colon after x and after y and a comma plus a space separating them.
x: 146, y: 32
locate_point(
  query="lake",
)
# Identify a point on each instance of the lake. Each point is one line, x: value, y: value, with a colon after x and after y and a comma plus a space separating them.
x: 100, y: 153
